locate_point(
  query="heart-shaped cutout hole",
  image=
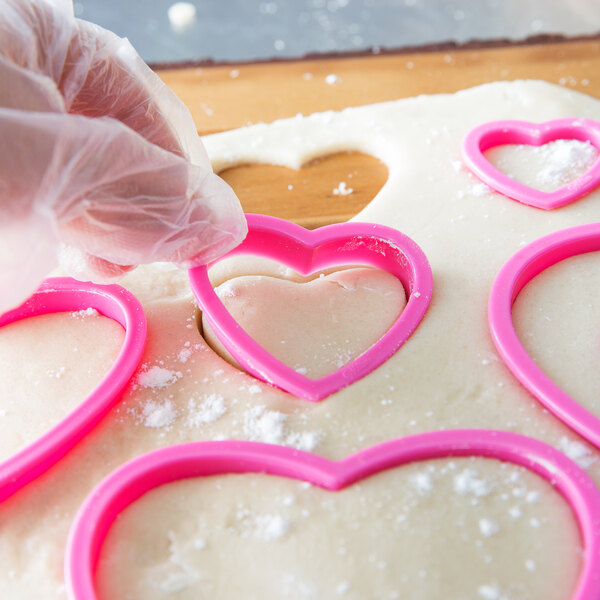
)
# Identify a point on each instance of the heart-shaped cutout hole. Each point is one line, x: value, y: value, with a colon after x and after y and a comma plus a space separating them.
x: 314, y: 327
x: 68, y: 295
x: 330, y: 189
x: 564, y: 166
x: 523, y: 266
x: 310, y: 252
x: 173, y: 464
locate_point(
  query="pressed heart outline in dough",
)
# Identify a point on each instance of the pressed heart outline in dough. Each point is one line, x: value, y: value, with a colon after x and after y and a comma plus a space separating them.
x: 311, y: 251
x: 61, y: 295
x: 500, y: 133
x: 313, y: 326
x: 522, y: 267
x: 311, y: 196
x: 197, y: 459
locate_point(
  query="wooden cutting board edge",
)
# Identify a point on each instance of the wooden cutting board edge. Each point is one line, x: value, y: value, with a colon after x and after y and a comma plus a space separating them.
x: 222, y: 97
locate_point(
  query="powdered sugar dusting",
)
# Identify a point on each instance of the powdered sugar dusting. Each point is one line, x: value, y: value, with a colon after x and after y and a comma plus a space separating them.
x: 184, y: 355
x: 564, y: 159
x: 342, y: 190
x: 487, y: 527
x: 157, y: 377
x: 227, y: 289
x: 342, y: 588
x: 469, y: 482
x: 264, y: 425
x: 209, y: 410
x: 156, y: 414
x: 269, y: 426
x: 266, y: 527
x: 85, y: 312
x: 546, y: 167
x: 303, y: 440
x: 423, y: 482
x: 56, y: 373
x: 490, y: 592
x: 577, y: 452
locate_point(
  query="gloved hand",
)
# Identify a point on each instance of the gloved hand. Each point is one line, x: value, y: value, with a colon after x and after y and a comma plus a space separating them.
x: 95, y: 167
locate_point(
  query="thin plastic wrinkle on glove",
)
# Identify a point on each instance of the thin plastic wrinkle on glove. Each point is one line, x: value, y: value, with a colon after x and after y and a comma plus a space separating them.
x: 100, y: 58
x: 34, y: 92
x: 97, y: 151
x: 95, y: 71
x: 104, y: 189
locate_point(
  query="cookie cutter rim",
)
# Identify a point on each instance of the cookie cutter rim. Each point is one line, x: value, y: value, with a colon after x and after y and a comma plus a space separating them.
x: 197, y: 459
x: 498, y: 133
x: 63, y: 294
x: 521, y: 268
x: 308, y: 251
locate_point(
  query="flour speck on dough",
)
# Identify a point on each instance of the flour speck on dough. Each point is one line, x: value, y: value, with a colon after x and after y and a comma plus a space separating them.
x: 157, y: 377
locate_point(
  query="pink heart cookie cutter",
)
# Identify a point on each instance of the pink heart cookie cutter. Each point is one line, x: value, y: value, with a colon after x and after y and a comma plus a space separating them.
x: 197, y: 459
x: 521, y: 268
x: 66, y: 295
x: 308, y: 252
x: 500, y: 133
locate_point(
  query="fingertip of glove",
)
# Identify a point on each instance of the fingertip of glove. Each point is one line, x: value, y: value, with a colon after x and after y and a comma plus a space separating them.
x: 87, y: 267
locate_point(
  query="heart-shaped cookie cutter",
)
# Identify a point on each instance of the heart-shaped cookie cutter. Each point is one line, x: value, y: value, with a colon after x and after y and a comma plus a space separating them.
x: 197, y: 459
x: 500, y: 133
x: 307, y: 252
x: 64, y: 294
x: 521, y: 268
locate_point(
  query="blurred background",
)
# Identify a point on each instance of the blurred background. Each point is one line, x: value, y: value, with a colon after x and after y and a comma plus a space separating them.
x: 163, y: 31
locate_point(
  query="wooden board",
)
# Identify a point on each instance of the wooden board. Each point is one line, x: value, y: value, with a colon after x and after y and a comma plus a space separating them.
x: 224, y: 97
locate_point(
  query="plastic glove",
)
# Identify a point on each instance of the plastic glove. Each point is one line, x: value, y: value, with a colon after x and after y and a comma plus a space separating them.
x: 95, y: 158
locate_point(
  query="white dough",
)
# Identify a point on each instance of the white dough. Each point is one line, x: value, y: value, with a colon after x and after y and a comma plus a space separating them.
x: 385, y: 537
x: 315, y: 327
x: 405, y: 530
x: 47, y: 366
